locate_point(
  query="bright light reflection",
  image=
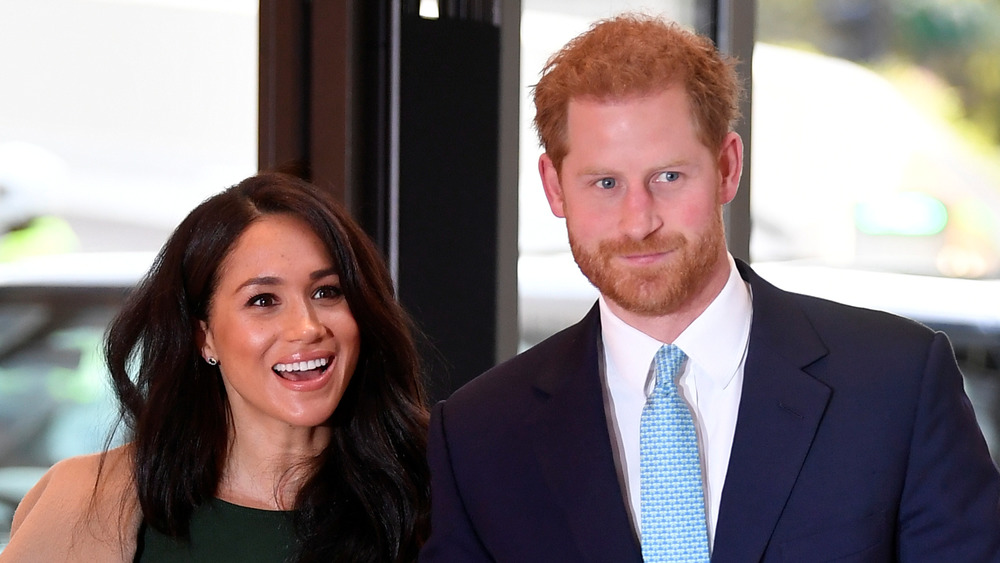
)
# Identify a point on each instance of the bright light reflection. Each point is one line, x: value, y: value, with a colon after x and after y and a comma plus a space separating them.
x: 906, y: 214
x: 429, y: 9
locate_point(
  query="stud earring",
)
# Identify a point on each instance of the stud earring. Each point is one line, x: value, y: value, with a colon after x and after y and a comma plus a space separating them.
x: 212, y: 361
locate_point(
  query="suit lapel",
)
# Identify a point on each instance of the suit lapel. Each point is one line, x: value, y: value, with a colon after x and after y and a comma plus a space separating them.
x: 780, y: 411
x: 571, y: 442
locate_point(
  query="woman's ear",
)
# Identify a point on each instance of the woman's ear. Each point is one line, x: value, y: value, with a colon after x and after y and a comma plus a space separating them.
x: 203, y: 337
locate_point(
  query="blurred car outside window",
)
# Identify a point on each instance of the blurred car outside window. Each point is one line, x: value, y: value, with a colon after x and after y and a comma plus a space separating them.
x: 117, y: 117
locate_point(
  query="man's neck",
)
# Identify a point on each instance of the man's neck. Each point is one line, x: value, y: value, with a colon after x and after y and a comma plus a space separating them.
x: 666, y: 328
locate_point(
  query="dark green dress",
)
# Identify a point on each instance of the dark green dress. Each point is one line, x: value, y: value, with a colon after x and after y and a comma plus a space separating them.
x: 223, y: 532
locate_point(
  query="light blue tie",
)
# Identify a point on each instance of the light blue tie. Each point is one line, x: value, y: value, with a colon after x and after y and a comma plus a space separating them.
x: 673, y: 505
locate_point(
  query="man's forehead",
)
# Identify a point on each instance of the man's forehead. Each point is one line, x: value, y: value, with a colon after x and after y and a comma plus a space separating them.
x: 623, y: 99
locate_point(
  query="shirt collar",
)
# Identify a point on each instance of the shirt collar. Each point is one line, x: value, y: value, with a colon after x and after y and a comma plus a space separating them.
x: 628, y: 352
x: 716, y: 341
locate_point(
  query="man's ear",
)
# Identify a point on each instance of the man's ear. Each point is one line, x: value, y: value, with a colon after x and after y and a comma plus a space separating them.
x: 730, y: 166
x: 552, y: 186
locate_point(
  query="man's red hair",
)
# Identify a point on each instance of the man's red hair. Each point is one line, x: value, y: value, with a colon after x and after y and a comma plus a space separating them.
x: 636, y: 55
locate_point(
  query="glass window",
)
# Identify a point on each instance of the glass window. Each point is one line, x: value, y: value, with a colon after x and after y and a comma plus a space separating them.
x: 876, y: 164
x: 116, y: 118
x: 552, y: 292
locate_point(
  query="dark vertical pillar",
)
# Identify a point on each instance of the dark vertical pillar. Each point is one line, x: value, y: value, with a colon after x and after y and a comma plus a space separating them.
x: 307, y: 76
x: 332, y: 134
x: 448, y: 192
x: 283, y: 138
x: 399, y: 117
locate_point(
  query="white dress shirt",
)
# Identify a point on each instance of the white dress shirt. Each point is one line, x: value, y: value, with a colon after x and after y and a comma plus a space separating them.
x: 711, y: 381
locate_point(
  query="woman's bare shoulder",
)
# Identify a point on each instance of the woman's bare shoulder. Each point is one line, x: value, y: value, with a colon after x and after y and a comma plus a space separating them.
x: 80, y: 504
x: 75, y: 478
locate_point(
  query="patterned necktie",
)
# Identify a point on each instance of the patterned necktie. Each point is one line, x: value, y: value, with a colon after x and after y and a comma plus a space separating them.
x: 673, y: 505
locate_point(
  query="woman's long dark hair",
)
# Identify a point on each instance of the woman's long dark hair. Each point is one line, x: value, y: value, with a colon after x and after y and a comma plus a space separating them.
x: 368, y: 496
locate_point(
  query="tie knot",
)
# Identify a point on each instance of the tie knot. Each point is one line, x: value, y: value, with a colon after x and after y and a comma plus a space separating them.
x: 668, y: 361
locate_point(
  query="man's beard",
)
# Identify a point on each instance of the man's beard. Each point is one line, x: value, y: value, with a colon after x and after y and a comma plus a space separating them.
x: 654, y: 290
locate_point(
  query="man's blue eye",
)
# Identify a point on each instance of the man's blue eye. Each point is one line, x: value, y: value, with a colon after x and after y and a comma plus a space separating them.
x: 607, y: 183
x: 668, y: 176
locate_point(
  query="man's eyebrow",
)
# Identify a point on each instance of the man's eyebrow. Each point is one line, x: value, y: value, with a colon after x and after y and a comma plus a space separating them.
x: 596, y: 172
x: 676, y: 163
x: 666, y: 165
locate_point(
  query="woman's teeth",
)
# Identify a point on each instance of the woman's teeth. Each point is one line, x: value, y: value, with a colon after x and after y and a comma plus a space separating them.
x: 301, y: 366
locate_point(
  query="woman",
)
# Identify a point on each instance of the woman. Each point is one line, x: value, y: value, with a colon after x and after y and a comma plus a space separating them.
x: 271, y: 388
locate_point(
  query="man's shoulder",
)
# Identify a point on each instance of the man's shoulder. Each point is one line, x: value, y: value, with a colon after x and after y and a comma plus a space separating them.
x: 511, y: 383
x: 774, y: 305
x: 832, y: 317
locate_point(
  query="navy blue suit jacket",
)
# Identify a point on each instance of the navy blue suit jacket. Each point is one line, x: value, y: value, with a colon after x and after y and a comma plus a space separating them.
x: 854, y: 442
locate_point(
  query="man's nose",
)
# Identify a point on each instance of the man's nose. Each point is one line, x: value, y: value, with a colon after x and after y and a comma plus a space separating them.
x: 638, y: 212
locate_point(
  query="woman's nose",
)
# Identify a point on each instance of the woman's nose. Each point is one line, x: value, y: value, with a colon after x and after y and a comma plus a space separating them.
x: 303, y: 324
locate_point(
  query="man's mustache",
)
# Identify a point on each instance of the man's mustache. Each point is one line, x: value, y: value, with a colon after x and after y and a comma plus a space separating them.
x: 655, y: 244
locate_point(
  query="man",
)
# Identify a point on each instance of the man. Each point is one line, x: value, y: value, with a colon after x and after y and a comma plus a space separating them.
x: 820, y: 431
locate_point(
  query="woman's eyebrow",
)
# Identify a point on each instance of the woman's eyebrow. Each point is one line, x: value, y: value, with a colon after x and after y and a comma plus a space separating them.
x: 323, y: 273
x: 260, y: 280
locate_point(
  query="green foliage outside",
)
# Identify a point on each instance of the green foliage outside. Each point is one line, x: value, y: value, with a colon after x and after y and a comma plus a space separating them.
x: 944, y: 53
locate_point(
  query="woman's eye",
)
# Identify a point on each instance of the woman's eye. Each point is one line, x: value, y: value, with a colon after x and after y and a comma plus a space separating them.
x: 607, y: 183
x: 668, y: 176
x: 328, y: 292
x: 262, y: 300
